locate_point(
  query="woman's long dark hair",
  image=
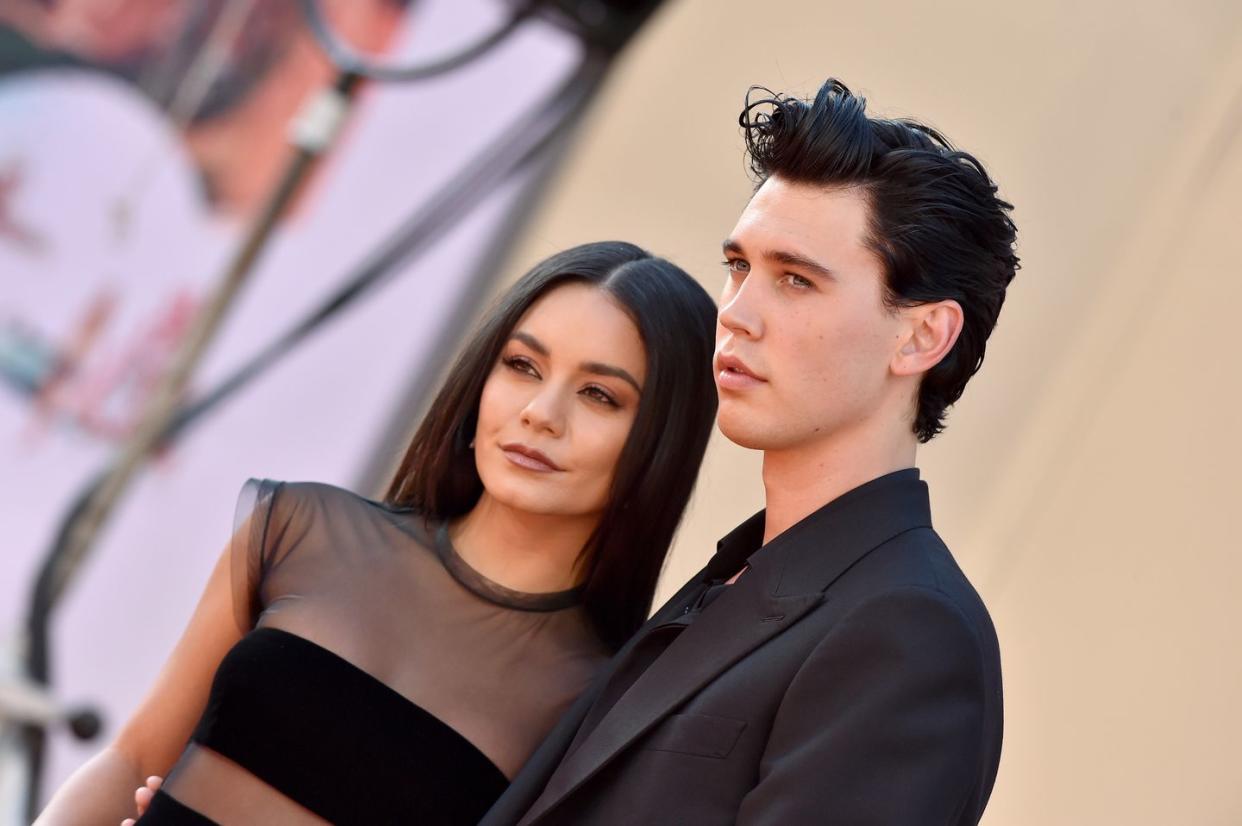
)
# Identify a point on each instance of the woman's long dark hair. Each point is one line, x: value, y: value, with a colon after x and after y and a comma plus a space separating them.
x: 658, y: 465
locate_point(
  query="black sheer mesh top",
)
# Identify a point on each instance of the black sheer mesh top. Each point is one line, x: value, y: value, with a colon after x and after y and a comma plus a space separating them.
x: 380, y: 678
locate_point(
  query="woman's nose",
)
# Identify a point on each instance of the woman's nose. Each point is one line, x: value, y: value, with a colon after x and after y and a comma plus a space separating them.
x: 544, y: 412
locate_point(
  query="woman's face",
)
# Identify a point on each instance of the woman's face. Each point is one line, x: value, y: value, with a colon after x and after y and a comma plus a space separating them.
x: 559, y: 403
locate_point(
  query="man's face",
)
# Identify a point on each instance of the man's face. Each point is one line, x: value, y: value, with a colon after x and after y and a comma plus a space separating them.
x: 804, y: 342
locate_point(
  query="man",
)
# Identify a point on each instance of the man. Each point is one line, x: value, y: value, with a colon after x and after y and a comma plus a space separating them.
x: 831, y: 663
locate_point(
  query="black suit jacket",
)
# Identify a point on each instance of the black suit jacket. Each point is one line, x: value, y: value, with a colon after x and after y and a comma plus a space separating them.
x: 851, y: 676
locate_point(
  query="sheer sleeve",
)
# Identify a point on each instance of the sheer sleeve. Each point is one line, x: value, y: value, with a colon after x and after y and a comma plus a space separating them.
x: 250, y: 547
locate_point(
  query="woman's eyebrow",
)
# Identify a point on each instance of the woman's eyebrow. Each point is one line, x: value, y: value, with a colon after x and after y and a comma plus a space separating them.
x: 531, y: 342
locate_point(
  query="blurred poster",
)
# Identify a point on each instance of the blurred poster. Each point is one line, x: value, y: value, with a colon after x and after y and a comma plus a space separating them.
x: 137, y: 137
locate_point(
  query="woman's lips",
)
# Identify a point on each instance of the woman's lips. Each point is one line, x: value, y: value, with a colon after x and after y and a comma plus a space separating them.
x: 529, y: 458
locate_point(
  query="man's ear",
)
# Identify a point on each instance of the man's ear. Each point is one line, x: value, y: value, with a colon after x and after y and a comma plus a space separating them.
x: 931, y: 330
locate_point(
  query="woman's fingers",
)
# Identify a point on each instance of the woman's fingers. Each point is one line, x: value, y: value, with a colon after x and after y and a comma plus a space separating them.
x: 144, y: 794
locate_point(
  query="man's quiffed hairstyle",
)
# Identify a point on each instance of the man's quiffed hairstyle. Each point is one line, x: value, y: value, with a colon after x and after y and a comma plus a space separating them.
x: 935, y: 221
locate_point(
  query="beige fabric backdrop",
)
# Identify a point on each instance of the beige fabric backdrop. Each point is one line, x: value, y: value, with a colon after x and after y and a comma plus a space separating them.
x: 1088, y: 480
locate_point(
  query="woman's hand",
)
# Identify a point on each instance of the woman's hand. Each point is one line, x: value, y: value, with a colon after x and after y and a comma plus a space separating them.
x: 142, y: 797
x: 156, y: 734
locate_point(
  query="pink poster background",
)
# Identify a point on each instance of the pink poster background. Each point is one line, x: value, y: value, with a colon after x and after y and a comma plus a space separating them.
x: 108, y: 239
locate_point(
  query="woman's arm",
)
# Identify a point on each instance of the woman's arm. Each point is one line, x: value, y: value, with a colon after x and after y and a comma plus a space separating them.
x: 102, y: 791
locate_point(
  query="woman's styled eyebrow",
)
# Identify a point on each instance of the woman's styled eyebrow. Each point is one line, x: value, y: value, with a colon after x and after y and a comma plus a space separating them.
x: 531, y: 342
x: 789, y: 259
x: 598, y: 368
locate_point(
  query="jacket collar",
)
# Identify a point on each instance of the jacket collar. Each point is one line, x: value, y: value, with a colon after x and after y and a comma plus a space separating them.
x: 787, y: 579
x: 812, y: 553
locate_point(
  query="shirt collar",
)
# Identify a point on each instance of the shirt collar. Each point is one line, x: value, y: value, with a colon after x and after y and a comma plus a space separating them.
x: 900, y: 491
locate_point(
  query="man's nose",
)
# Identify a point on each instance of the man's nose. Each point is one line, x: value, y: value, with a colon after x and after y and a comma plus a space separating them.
x: 740, y: 312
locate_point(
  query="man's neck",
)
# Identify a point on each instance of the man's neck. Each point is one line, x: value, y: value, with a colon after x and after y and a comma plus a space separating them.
x: 800, y: 480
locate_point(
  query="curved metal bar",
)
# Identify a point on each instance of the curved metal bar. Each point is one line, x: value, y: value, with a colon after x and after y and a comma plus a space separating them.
x: 348, y: 60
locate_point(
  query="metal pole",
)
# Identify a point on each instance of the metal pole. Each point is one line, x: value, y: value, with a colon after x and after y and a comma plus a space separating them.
x: 312, y: 133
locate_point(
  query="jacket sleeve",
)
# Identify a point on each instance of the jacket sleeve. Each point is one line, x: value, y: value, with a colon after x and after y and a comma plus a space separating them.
x: 883, y: 724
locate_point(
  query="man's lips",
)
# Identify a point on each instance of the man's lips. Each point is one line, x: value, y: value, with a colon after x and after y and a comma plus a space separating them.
x: 733, y: 374
x: 529, y: 458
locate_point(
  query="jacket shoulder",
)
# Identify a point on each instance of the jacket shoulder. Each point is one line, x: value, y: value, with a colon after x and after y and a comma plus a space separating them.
x: 913, y: 562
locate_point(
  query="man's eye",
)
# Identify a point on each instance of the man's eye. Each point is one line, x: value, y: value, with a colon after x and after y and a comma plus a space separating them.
x: 797, y: 281
x: 736, y: 265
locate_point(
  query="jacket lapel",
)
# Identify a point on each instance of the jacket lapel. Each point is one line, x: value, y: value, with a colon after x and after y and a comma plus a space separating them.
x: 787, y: 579
x: 740, y: 620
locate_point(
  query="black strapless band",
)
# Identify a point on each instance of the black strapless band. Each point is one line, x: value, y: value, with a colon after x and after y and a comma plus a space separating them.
x: 166, y: 810
x: 338, y: 741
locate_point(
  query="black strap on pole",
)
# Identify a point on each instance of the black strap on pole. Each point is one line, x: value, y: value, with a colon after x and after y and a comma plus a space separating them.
x: 78, y: 531
x: 517, y: 147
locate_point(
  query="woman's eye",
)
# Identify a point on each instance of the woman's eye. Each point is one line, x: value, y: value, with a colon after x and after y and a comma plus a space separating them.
x: 600, y: 395
x: 797, y: 281
x: 521, y: 365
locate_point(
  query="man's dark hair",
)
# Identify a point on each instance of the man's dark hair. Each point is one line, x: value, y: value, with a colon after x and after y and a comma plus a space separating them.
x: 935, y: 220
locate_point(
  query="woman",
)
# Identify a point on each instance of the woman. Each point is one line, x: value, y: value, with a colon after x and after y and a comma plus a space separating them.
x: 419, y: 649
